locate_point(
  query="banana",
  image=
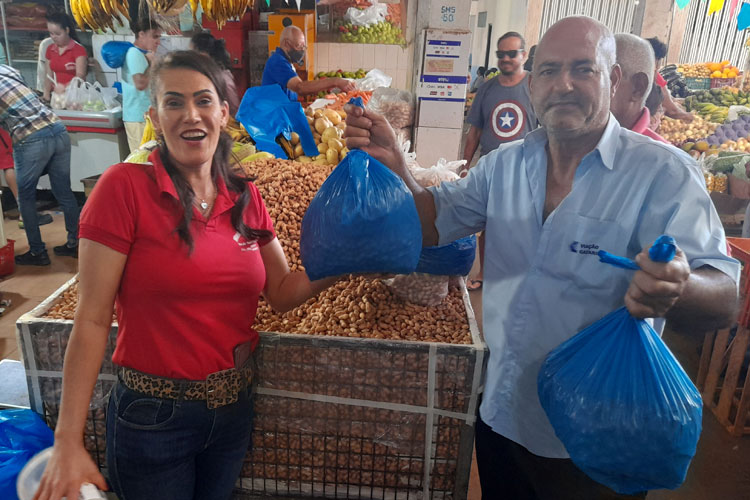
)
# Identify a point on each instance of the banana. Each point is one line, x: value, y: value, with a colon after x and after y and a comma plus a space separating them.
x: 259, y: 156
x: 75, y: 10
x: 149, y: 134
x: 286, y: 146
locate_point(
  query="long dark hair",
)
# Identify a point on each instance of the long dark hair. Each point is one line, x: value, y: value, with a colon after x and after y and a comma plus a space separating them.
x: 64, y: 21
x: 215, y: 48
x: 186, y: 59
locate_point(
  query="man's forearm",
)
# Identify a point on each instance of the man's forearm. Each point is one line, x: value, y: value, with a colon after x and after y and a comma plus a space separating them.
x: 708, y: 302
x: 315, y: 86
x: 472, y: 141
x: 425, y: 203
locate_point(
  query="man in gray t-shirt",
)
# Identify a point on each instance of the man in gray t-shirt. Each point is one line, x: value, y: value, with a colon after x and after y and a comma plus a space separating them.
x: 501, y: 112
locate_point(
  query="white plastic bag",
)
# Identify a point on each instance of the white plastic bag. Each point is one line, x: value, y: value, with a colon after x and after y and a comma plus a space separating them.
x: 421, y: 289
x: 736, y: 111
x: 444, y: 171
x: 409, y: 158
x: 373, y: 80
x: 75, y: 95
x: 109, y: 96
x: 57, y: 100
x: 395, y: 105
x: 365, y: 17
x: 93, y: 95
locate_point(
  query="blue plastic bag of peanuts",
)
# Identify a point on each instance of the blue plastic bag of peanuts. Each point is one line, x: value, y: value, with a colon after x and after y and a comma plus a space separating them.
x: 453, y: 259
x: 362, y: 220
x: 626, y: 411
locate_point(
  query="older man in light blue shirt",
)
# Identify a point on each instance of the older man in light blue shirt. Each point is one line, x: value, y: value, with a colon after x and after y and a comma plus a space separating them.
x: 548, y: 204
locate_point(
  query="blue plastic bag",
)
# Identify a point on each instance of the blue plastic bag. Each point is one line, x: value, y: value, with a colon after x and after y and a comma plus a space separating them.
x: 115, y: 51
x: 22, y: 435
x: 266, y: 113
x: 622, y: 405
x: 454, y: 259
x: 362, y: 220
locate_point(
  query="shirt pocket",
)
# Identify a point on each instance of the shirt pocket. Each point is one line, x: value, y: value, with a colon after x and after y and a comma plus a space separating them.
x: 572, y: 251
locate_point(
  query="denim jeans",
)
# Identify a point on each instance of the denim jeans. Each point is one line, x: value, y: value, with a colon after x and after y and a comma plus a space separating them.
x: 46, y: 151
x: 163, y: 449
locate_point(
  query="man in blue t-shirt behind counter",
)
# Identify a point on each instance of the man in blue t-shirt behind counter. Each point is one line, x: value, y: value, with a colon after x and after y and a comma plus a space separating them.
x: 135, y: 78
x: 280, y: 70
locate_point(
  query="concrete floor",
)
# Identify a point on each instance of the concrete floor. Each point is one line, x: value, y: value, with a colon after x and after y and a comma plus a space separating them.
x: 720, y: 470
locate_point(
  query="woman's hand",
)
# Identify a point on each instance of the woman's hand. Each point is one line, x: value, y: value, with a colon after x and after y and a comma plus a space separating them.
x: 68, y: 468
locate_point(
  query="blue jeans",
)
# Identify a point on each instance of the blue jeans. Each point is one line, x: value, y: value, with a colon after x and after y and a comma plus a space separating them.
x: 165, y: 449
x: 46, y: 151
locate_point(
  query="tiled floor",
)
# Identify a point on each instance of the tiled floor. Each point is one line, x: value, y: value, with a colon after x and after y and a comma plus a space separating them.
x: 719, y: 469
x: 29, y: 285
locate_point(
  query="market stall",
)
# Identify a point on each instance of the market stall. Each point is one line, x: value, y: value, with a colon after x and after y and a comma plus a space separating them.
x: 97, y: 140
x: 719, y: 135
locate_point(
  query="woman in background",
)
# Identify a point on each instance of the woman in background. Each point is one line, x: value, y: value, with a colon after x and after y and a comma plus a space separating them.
x: 66, y: 57
x: 216, y: 49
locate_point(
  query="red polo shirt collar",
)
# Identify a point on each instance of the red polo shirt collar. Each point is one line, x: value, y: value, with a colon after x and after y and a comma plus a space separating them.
x: 224, y: 199
x: 641, y: 126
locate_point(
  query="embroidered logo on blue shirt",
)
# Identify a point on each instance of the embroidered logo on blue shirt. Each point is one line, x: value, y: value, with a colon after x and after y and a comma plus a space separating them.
x: 584, y: 248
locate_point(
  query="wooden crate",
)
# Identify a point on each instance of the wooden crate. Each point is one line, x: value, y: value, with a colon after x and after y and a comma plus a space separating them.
x: 335, y: 417
x: 723, y: 377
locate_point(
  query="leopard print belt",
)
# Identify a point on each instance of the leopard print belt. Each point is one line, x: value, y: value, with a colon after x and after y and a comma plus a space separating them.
x: 219, y: 389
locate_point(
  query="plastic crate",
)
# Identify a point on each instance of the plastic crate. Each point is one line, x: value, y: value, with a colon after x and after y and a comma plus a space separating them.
x: 698, y: 83
x: 7, y: 260
x: 717, y: 83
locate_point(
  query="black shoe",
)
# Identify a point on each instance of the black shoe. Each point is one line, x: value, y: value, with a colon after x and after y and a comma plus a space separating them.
x: 44, y: 219
x: 30, y: 259
x: 66, y: 251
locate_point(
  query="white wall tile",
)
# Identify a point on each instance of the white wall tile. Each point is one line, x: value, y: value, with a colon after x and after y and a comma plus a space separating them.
x: 321, y: 57
x: 392, y: 56
x: 368, y: 57
x: 357, y: 56
x: 334, y: 56
x: 345, y: 62
x: 399, y: 79
x: 381, y: 57
x: 403, y: 58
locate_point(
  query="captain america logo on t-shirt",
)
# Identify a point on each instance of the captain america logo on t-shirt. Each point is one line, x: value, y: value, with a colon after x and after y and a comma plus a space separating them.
x: 507, y: 120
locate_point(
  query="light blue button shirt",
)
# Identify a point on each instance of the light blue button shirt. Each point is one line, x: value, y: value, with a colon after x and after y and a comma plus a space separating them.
x: 543, y: 281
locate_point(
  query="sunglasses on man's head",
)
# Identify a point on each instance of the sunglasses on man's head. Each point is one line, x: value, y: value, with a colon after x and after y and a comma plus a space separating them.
x: 510, y: 53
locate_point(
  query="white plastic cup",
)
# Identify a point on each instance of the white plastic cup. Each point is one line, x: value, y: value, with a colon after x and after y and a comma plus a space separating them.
x: 31, y: 475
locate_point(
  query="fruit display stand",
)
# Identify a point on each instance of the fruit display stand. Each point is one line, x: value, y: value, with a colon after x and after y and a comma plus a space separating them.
x: 335, y: 417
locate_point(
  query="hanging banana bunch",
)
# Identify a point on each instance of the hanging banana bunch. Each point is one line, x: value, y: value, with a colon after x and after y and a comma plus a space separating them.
x: 99, y: 14
x: 222, y: 10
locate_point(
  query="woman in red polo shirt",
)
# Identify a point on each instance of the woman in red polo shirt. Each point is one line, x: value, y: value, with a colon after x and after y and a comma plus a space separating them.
x: 184, y: 248
x: 66, y: 57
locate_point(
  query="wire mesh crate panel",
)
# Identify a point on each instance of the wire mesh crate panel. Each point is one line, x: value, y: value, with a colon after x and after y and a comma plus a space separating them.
x: 94, y: 434
x: 46, y: 341
x: 318, y: 443
x: 455, y: 378
x: 304, y: 424
x: 343, y: 368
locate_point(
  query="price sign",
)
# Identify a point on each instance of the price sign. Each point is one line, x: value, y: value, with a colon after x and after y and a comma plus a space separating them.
x: 450, y: 14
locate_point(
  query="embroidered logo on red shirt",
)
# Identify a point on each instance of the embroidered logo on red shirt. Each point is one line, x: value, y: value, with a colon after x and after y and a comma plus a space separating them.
x: 246, y: 246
